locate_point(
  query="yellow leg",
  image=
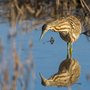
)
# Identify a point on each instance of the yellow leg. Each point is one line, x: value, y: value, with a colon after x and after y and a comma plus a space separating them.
x: 70, y: 50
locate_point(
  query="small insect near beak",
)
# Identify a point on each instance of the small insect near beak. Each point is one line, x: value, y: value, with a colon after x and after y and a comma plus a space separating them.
x: 43, y: 31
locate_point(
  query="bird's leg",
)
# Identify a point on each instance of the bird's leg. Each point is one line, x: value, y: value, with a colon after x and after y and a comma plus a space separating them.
x: 70, y: 50
x: 67, y: 50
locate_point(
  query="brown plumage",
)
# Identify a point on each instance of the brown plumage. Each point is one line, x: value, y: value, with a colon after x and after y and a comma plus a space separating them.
x: 68, y: 27
x: 68, y: 74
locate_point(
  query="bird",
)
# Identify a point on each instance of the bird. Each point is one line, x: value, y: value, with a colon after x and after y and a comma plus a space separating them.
x: 68, y: 73
x: 68, y: 27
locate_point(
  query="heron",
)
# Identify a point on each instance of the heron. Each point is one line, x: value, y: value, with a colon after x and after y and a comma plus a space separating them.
x: 69, y: 29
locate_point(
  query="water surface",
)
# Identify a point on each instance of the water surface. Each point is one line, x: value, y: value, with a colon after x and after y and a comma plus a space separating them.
x: 47, y: 56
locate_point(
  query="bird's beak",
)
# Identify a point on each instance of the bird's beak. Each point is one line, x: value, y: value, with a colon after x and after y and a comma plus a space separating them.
x: 43, y: 80
x: 42, y: 34
x: 43, y: 30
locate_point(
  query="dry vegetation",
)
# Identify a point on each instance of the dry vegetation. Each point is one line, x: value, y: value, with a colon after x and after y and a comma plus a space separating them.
x: 41, y: 11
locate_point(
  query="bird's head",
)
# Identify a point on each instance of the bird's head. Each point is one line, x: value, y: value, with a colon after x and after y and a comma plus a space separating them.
x: 46, y: 28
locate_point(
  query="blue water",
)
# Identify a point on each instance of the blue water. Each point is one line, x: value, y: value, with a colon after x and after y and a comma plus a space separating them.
x: 47, y: 57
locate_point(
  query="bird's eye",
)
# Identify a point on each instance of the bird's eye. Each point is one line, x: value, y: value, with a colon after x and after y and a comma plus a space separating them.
x: 44, y: 26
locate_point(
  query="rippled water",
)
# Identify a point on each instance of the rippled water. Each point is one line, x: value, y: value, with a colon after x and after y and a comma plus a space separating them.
x: 47, y: 56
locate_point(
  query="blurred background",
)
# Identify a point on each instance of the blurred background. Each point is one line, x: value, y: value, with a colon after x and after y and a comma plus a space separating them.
x: 23, y: 55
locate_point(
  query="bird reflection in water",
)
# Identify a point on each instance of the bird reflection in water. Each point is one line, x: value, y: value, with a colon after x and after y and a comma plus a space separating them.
x: 68, y: 73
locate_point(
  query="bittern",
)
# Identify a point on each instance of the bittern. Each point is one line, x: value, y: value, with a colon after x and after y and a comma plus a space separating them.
x: 67, y: 75
x: 68, y: 27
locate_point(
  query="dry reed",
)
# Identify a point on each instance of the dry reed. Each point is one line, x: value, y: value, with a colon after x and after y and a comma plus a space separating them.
x: 18, y: 10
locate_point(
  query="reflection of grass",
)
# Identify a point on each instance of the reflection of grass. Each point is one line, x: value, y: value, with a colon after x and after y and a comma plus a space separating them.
x: 21, y: 73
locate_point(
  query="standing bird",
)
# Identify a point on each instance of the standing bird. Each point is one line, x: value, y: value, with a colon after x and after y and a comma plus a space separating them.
x: 68, y: 74
x: 68, y: 27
